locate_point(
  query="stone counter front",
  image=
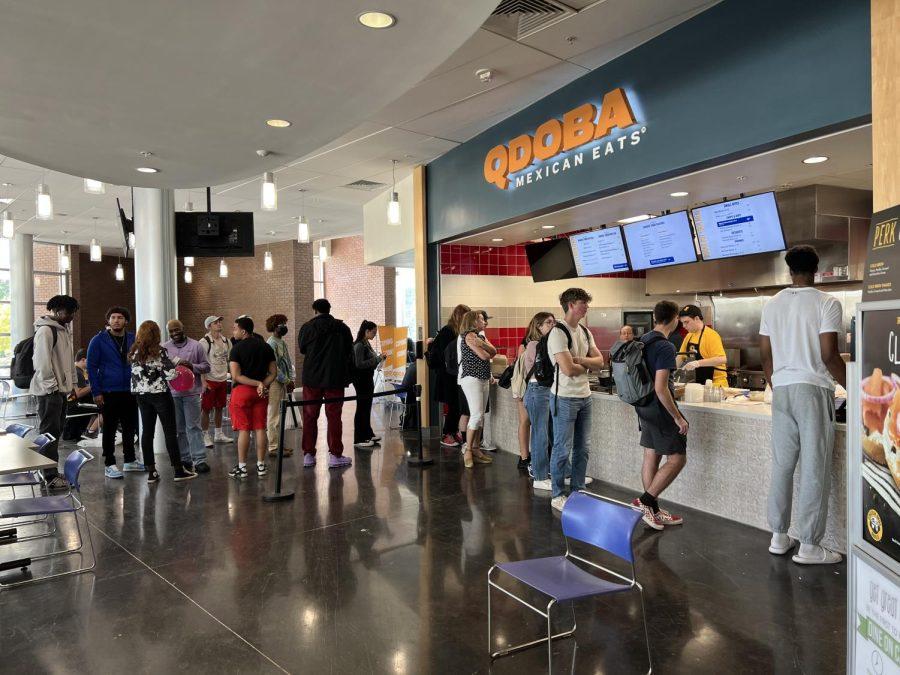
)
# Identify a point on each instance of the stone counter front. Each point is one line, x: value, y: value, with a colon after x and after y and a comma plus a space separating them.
x: 729, y: 458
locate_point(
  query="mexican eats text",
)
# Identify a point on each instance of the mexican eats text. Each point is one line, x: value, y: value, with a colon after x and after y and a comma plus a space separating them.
x: 580, y: 126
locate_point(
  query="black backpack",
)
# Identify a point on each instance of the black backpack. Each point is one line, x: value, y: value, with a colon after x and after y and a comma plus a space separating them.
x: 543, y: 369
x: 21, y: 370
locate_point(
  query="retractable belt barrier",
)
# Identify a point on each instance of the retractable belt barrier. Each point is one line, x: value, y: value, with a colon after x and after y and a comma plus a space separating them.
x: 412, y: 460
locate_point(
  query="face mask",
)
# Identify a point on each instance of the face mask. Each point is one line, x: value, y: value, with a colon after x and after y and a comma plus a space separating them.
x: 281, y: 330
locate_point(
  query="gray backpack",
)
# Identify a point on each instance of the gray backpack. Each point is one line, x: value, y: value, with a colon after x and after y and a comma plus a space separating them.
x: 634, y: 385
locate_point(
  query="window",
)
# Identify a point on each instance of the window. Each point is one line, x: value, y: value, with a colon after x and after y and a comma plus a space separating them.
x: 405, y: 290
x: 318, y: 278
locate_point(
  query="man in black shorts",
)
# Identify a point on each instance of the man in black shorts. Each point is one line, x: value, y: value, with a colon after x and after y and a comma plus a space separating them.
x: 663, y: 428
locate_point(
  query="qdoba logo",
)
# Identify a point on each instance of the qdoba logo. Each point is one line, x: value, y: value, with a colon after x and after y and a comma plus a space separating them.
x: 580, y: 126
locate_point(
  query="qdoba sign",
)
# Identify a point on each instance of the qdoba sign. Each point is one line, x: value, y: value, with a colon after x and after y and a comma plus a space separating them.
x: 579, y: 127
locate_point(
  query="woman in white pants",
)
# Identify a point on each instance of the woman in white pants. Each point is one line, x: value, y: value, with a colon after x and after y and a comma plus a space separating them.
x: 475, y: 354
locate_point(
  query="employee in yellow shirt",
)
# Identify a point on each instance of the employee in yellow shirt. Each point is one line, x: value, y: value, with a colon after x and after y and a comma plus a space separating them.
x: 704, y: 346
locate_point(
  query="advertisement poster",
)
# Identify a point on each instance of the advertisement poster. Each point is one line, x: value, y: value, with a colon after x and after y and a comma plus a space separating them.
x: 880, y: 434
x: 877, y: 631
x: 882, y: 273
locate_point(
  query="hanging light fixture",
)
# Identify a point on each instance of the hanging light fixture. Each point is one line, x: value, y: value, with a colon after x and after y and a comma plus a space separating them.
x: 223, y: 269
x: 94, y: 187
x: 44, y: 202
x: 269, y: 194
x: 9, y: 226
x: 188, y: 261
x: 267, y: 261
x: 189, y: 205
x: 131, y: 240
x: 393, y: 210
x: 188, y: 275
x: 120, y: 272
x: 96, y: 251
x: 65, y: 262
x: 323, y: 252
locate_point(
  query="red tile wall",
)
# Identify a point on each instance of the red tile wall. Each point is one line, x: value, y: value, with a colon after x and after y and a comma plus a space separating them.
x: 506, y: 340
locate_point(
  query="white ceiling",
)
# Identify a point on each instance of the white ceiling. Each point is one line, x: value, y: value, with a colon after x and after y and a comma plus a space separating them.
x: 849, y: 165
x: 449, y: 106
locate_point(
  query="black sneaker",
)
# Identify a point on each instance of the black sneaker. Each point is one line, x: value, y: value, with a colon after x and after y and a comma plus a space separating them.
x: 183, y: 474
x: 261, y: 469
x: 188, y: 466
x: 238, y: 472
x: 152, y: 475
x: 524, y: 463
x: 202, y: 467
x: 58, y: 484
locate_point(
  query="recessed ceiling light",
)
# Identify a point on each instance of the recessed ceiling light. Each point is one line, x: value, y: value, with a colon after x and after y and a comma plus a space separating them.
x: 742, y: 178
x: 635, y: 219
x: 548, y: 227
x: 377, y: 19
x: 278, y: 124
x: 6, y: 200
x: 6, y: 184
x: 678, y: 194
x: 147, y: 169
x: 497, y: 239
x: 815, y: 160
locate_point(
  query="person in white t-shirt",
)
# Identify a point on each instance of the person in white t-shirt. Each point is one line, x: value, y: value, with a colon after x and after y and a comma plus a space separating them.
x: 799, y: 349
x: 573, y: 352
x: 215, y: 382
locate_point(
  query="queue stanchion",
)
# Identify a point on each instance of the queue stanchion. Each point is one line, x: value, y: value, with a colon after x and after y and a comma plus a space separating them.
x: 418, y: 459
x: 279, y: 495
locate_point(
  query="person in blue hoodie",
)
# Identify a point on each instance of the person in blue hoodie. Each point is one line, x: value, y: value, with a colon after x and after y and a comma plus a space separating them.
x: 109, y: 374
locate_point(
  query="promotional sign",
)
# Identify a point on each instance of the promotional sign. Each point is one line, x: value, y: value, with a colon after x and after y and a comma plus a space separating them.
x: 882, y: 274
x: 877, y: 630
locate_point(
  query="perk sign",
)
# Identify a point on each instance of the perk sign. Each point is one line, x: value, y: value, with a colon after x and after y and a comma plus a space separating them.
x: 882, y: 275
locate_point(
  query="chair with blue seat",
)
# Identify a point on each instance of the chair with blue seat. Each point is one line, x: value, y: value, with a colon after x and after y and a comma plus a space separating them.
x: 52, y: 506
x: 20, y: 430
x: 602, y: 523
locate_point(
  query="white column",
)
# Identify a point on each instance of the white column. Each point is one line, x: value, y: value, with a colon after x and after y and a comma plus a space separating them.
x: 21, y: 287
x: 155, y: 268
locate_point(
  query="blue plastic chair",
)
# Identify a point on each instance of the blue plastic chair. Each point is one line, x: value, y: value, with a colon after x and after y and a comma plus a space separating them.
x: 52, y: 506
x: 591, y: 519
x: 20, y: 430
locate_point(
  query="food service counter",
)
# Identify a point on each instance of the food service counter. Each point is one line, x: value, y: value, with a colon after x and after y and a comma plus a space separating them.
x: 729, y: 458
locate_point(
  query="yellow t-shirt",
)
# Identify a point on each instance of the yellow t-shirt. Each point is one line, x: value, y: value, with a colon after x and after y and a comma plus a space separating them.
x: 710, y: 346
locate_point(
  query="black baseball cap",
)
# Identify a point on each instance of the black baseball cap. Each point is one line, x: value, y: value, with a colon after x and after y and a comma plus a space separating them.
x: 690, y: 310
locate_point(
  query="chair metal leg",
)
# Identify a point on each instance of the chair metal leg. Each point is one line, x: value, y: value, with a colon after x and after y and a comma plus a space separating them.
x: 549, y: 639
x: 31, y: 537
x: 646, y: 632
x: 490, y: 637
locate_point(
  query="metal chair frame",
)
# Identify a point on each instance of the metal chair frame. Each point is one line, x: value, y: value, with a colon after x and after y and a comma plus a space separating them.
x: 631, y: 582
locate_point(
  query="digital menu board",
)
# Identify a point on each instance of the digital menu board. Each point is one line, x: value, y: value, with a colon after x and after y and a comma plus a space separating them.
x: 739, y: 227
x: 660, y: 242
x: 599, y: 252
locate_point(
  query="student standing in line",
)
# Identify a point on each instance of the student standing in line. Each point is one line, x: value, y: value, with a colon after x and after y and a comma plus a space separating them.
x: 572, y: 351
x: 799, y: 348
x: 283, y: 385
x: 54, y: 377
x: 253, y: 370
x: 487, y: 438
x: 365, y: 361
x: 109, y: 374
x: 475, y: 354
x: 446, y: 390
x: 151, y: 370
x: 537, y: 402
x: 215, y: 383
x: 524, y: 428
x: 663, y: 428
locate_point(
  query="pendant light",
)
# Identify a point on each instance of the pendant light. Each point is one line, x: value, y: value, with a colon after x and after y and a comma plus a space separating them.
x: 9, y: 226
x: 131, y: 240
x: 188, y: 261
x: 120, y: 272
x: 96, y: 251
x: 188, y: 275
x: 94, y: 187
x: 65, y: 263
x: 323, y: 252
x: 43, y: 202
x: 223, y: 269
x: 267, y: 261
x: 393, y: 209
x: 269, y: 194
x: 189, y: 205
x: 302, y: 225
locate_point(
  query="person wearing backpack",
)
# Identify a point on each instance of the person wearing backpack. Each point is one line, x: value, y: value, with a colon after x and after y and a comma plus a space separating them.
x: 572, y: 352
x: 537, y: 397
x: 446, y: 390
x: 663, y: 428
x: 215, y: 383
x: 54, y: 376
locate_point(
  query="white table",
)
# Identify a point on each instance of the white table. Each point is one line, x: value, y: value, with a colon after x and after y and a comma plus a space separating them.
x: 17, y: 456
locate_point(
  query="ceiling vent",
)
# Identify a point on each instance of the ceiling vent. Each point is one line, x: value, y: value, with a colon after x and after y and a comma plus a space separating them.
x: 517, y: 19
x: 366, y: 185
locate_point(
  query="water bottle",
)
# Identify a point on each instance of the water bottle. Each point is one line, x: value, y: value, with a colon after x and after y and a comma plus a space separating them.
x: 708, y: 392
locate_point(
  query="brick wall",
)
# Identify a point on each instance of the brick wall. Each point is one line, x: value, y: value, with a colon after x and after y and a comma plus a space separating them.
x: 358, y: 291
x: 95, y: 287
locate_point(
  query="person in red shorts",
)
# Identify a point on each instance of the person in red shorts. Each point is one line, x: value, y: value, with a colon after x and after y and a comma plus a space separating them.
x: 252, y: 365
x: 215, y: 382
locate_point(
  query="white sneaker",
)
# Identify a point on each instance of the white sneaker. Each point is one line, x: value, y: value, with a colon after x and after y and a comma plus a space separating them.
x: 542, y: 485
x: 222, y: 438
x: 587, y: 481
x: 558, y: 503
x: 364, y: 444
x: 810, y: 554
x: 781, y: 543
x: 207, y: 439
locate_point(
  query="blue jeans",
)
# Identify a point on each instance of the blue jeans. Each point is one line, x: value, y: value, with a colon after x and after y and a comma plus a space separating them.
x: 190, y: 436
x: 537, y: 403
x: 571, y: 434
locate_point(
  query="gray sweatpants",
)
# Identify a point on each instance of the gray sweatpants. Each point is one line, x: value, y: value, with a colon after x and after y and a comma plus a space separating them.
x: 802, y: 429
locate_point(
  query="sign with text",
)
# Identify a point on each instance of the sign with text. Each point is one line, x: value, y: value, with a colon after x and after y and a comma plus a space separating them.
x: 877, y: 625
x: 882, y: 275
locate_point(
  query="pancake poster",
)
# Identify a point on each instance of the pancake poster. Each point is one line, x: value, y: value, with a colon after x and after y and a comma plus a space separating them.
x: 880, y: 401
x: 882, y: 273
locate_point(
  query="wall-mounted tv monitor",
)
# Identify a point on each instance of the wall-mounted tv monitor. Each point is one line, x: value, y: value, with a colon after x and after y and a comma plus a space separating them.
x: 216, y: 234
x: 739, y: 227
x: 599, y: 252
x: 660, y: 242
x: 551, y: 260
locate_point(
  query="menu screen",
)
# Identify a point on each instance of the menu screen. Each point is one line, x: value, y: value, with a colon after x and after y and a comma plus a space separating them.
x: 660, y: 242
x: 740, y: 227
x: 551, y: 260
x: 599, y: 252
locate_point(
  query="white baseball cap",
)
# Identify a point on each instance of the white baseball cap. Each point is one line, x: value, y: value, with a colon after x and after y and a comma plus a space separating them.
x: 211, y: 320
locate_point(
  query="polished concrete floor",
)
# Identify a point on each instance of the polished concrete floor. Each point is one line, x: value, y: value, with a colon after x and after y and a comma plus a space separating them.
x: 380, y: 568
